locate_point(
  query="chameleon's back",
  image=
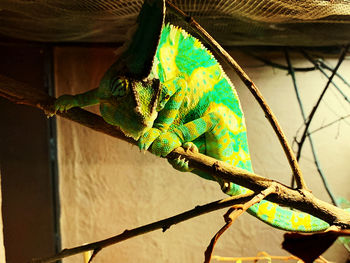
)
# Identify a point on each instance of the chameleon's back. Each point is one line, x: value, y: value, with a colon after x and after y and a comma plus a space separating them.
x: 208, y: 90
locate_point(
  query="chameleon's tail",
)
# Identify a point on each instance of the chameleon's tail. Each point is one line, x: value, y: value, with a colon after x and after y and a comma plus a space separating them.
x: 281, y: 217
x: 287, y: 219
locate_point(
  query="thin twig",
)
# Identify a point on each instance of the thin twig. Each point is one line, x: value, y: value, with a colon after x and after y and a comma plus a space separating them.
x: 313, y: 150
x: 279, y: 66
x: 162, y: 224
x: 312, y: 114
x: 229, y: 221
x: 219, y: 51
x: 232, y: 214
x: 319, y: 65
x: 329, y: 124
x: 324, y: 65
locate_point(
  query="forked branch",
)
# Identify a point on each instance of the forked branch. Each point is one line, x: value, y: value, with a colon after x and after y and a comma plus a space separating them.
x: 232, y: 214
x: 162, y: 224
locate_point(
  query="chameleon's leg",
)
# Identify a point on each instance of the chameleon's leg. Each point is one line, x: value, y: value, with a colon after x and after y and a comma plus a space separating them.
x: 178, y: 135
x: 171, y: 99
x: 218, y: 142
x: 194, y: 131
x: 65, y: 102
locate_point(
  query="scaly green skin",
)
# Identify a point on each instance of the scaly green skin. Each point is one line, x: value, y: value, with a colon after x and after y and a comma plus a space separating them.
x: 180, y: 96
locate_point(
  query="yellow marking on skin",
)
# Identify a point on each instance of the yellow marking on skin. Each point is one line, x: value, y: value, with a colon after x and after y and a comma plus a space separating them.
x: 224, y: 142
x: 200, y: 82
x: 267, y: 209
x: 192, y: 127
x: 174, y: 35
x: 198, y: 44
x: 170, y: 85
x: 236, y: 157
x: 215, y: 73
x: 244, y: 190
x: 231, y: 121
x: 167, y: 55
x: 298, y: 220
x: 243, y: 155
x: 155, y: 70
x: 172, y: 114
x: 204, y: 79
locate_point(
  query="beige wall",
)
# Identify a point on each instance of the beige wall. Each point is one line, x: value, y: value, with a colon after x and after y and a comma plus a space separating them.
x: 107, y: 185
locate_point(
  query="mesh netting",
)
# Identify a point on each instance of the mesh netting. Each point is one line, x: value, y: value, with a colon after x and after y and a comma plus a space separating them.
x: 231, y: 22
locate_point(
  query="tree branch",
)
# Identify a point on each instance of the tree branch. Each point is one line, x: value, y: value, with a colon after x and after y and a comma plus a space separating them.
x: 162, y: 224
x: 232, y: 214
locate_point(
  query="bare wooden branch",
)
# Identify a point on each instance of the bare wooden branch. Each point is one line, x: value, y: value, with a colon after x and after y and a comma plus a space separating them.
x: 223, y: 54
x: 232, y: 214
x: 162, y: 224
x: 299, y: 199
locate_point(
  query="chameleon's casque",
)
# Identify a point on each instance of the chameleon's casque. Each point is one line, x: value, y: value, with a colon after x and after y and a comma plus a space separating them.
x: 167, y: 90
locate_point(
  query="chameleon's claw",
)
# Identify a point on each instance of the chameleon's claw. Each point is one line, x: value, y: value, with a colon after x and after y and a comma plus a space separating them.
x: 64, y: 103
x: 142, y: 148
x: 50, y: 114
x: 180, y: 164
x: 190, y: 146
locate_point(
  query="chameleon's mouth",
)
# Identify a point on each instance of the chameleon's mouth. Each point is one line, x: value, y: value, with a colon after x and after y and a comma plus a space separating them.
x: 136, y: 126
x: 133, y: 135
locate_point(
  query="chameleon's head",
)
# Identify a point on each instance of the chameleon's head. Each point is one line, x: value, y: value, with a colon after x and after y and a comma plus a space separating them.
x: 129, y: 101
x: 133, y: 102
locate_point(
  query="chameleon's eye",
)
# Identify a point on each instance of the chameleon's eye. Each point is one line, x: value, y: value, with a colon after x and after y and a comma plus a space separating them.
x: 167, y: 96
x: 119, y: 86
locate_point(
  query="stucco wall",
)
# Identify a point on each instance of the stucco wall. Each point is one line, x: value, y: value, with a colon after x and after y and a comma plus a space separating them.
x: 107, y: 185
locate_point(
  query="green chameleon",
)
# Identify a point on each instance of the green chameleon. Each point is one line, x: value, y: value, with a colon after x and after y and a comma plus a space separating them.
x: 167, y: 90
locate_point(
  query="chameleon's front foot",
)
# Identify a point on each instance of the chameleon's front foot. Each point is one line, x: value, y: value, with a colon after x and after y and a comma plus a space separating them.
x: 182, y: 164
x: 65, y: 102
x: 161, y: 143
x: 148, y: 138
x: 165, y: 143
